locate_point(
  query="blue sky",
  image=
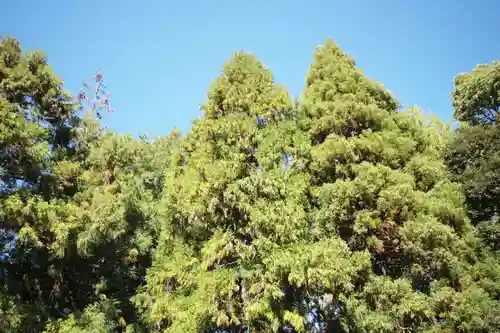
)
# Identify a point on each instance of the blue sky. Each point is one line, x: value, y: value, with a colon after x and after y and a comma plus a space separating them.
x: 159, y: 57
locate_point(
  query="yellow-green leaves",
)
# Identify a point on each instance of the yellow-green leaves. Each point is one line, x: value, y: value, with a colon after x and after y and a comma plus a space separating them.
x: 343, y: 216
x: 246, y: 87
x: 332, y: 214
x: 476, y: 95
x: 333, y: 78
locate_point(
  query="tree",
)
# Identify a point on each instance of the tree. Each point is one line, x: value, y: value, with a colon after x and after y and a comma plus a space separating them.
x: 77, y: 202
x: 473, y: 158
x: 476, y: 97
x: 473, y: 154
x: 36, y: 130
x: 36, y: 113
x: 224, y: 210
x: 381, y: 185
x: 333, y: 214
x: 338, y: 216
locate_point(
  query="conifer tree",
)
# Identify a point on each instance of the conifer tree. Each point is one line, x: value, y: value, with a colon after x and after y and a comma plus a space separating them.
x: 77, y: 204
x: 333, y: 214
x: 338, y: 217
x: 37, y: 117
x: 232, y: 202
x: 381, y: 185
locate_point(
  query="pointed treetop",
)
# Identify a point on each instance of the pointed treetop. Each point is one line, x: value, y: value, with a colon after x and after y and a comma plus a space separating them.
x: 10, y: 51
x: 246, y: 86
x: 333, y: 76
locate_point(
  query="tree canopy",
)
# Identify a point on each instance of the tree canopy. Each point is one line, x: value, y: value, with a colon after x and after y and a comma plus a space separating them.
x: 473, y: 154
x: 476, y: 96
x: 340, y: 212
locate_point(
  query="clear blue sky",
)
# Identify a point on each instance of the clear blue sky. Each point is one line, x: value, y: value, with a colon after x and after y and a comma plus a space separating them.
x: 159, y: 57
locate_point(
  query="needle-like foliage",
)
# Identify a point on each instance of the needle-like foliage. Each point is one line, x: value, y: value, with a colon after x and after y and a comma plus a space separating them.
x: 337, y: 213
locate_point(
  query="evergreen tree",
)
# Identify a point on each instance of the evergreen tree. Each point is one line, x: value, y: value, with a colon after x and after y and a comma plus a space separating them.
x: 77, y: 205
x: 380, y: 184
x: 36, y: 131
x: 334, y: 214
x: 337, y: 217
x: 227, y: 207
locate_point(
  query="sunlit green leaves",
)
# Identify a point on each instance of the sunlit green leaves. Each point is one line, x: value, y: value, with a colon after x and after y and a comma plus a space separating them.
x: 335, y: 213
x: 476, y: 95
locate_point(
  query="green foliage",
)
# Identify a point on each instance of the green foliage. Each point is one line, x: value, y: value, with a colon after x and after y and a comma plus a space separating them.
x: 11, y: 315
x: 96, y: 318
x: 34, y: 112
x: 333, y: 214
x: 82, y: 210
x: 364, y: 211
x: 473, y: 154
x: 473, y: 157
x: 228, y: 210
x: 37, y: 118
x: 476, y: 95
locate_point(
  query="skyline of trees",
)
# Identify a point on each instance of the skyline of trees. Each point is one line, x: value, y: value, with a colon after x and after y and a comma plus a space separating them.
x: 336, y: 212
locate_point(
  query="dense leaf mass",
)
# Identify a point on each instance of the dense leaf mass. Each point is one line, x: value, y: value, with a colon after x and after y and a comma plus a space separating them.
x: 473, y: 154
x: 476, y: 96
x: 337, y: 213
